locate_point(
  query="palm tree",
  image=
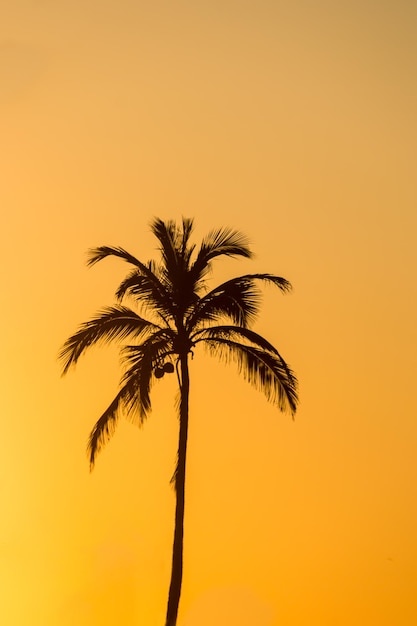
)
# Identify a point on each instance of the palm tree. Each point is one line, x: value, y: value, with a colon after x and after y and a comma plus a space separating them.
x: 179, y: 314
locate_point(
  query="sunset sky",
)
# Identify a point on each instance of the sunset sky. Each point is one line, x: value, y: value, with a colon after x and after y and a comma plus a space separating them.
x: 294, y: 122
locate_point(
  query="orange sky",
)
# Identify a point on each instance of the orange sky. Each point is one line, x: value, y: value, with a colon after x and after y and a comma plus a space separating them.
x: 295, y: 123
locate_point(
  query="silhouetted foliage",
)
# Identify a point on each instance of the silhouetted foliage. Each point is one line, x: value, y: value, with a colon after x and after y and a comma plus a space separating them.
x: 179, y: 314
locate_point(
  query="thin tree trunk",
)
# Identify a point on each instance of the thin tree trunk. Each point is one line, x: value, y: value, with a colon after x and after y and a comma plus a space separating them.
x: 177, y: 553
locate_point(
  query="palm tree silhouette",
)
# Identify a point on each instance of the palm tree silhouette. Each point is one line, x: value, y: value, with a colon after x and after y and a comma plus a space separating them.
x: 180, y: 314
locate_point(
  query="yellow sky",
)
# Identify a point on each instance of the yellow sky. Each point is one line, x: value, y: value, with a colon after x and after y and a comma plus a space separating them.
x: 295, y: 123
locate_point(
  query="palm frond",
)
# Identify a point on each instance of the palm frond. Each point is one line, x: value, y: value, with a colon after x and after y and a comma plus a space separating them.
x: 237, y: 299
x: 141, y: 362
x: 174, y: 240
x: 133, y: 399
x: 282, y: 283
x: 167, y: 234
x: 225, y: 241
x: 186, y: 248
x: 130, y: 282
x: 101, y: 252
x: 222, y: 241
x: 149, y: 296
x: 153, y: 288
x: 112, y: 323
x: 235, y: 333
x: 176, y: 253
x: 104, y: 428
x: 263, y: 369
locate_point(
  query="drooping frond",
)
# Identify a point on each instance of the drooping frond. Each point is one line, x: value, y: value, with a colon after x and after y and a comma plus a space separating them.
x: 155, y: 291
x: 234, y: 333
x: 140, y: 371
x: 148, y: 295
x: 112, y: 323
x: 223, y: 241
x: 133, y: 399
x: 133, y: 281
x: 282, y: 283
x: 141, y: 362
x: 264, y: 369
x: 104, y: 428
x: 236, y: 299
x: 101, y: 252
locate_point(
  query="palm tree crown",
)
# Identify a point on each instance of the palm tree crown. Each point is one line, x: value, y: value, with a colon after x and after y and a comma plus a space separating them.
x: 175, y: 313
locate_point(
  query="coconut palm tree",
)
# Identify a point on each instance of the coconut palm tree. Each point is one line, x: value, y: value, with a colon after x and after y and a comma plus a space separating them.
x: 175, y: 314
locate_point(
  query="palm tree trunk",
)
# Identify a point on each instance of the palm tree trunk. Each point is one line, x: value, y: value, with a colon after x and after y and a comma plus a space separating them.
x: 177, y: 553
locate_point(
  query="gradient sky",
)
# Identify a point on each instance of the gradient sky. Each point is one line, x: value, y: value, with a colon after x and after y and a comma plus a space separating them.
x: 295, y: 123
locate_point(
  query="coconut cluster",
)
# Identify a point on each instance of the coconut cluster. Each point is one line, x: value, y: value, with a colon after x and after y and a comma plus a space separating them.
x: 167, y: 368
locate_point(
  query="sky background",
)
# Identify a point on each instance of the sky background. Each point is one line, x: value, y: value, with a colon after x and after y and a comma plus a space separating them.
x: 295, y: 123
